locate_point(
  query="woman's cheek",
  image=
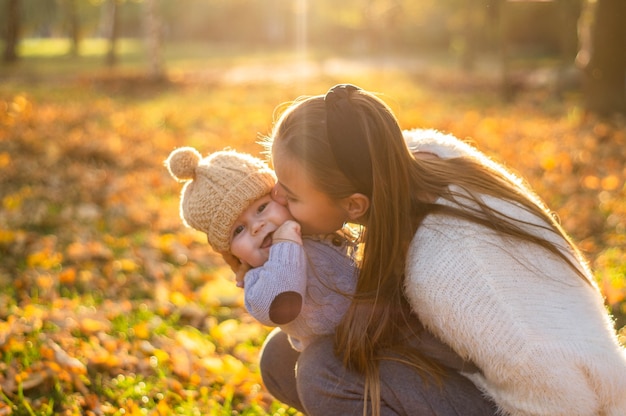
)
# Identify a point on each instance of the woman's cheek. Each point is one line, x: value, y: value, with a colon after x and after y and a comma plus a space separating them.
x: 298, y: 213
x: 294, y: 211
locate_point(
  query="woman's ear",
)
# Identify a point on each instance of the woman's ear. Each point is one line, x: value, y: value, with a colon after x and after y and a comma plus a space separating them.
x: 356, y: 205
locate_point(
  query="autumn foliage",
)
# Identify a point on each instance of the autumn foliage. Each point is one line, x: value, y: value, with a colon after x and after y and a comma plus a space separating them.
x: 109, y: 306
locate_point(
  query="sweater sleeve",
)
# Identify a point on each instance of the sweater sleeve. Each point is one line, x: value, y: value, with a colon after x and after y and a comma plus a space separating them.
x: 281, y: 279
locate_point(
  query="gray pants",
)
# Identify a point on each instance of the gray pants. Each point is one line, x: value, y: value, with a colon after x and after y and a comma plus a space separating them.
x: 320, y: 385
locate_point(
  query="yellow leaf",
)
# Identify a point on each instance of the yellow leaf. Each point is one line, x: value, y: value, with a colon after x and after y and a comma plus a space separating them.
x: 232, y: 332
x: 160, y: 355
x: 178, y: 299
x: 125, y: 265
x: 213, y: 364
x: 226, y: 366
x: 548, y: 163
x: 142, y: 330
x: 610, y: 183
x: 45, y: 281
x: 68, y: 276
x: 90, y: 325
x: 221, y: 291
x: 45, y: 259
x: 7, y: 236
x: 195, y: 379
x: 5, y: 160
x: 195, y: 342
x: 591, y: 182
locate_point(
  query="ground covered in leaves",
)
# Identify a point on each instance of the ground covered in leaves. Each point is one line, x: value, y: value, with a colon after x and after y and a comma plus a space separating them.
x: 109, y: 306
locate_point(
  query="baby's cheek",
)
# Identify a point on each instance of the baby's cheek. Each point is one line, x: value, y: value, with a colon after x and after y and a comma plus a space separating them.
x: 263, y: 257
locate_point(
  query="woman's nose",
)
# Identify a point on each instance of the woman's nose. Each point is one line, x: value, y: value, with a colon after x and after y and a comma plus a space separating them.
x: 279, y: 195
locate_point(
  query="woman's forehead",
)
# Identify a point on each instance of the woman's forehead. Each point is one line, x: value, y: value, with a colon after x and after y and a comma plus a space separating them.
x: 289, y: 173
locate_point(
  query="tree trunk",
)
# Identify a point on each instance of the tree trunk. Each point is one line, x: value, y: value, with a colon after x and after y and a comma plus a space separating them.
x: 605, y: 72
x: 12, y: 34
x: 73, y: 24
x: 153, y: 39
x: 471, y: 17
x: 113, y: 29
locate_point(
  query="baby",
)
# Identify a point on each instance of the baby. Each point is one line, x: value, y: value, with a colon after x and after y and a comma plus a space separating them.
x: 301, y: 284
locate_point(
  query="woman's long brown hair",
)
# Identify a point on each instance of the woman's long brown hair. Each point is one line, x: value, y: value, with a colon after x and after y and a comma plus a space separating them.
x: 404, y: 192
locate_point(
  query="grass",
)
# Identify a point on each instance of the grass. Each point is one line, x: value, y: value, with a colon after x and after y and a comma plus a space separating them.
x: 109, y: 306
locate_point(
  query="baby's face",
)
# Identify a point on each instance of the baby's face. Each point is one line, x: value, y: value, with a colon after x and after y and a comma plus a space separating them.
x: 251, y: 234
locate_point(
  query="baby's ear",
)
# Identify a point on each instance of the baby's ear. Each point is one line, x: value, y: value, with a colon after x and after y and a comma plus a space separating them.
x: 356, y: 205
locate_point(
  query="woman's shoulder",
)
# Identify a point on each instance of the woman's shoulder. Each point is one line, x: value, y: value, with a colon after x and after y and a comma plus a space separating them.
x: 441, y: 230
x: 441, y: 144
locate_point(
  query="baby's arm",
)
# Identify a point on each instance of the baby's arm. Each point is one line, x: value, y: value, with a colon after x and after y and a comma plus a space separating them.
x: 286, y: 306
x: 274, y: 292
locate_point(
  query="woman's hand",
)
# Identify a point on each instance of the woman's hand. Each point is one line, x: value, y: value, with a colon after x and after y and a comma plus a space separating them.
x: 240, y: 269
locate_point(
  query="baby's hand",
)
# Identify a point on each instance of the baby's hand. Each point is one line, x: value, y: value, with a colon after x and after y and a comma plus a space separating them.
x: 288, y: 231
x: 240, y: 274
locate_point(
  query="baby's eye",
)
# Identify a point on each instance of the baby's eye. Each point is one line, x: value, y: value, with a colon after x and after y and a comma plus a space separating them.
x: 262, y: 207
x: 238, y: 230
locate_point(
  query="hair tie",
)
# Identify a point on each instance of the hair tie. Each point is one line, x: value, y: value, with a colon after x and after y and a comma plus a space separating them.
x: 346, y: 137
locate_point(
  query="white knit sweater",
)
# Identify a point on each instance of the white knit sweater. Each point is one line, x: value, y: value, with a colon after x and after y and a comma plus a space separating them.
x: 539, y: 333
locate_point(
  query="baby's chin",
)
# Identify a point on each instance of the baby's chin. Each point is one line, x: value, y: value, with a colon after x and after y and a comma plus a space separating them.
x: 260, y: 259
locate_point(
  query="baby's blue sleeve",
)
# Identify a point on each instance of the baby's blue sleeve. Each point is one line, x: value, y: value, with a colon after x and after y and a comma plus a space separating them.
x: 275, y: 291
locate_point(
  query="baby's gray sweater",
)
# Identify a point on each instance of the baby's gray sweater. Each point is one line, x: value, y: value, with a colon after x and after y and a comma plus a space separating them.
x: 322, y: 272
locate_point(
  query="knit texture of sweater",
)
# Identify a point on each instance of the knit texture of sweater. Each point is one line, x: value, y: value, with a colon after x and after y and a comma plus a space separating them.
x: 538, y: 332
x: 322, y: 271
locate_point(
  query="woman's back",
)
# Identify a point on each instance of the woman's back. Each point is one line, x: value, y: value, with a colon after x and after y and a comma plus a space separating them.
x: 539, y: 332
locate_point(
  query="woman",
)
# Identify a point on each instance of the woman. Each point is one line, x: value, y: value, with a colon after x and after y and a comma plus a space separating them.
x: 452, y: 237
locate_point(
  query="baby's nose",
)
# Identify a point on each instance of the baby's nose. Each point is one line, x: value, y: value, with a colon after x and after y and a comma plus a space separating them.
x: 257, y: 226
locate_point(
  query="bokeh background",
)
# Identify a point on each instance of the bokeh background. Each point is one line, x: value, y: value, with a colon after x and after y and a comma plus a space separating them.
x: 110, y: 306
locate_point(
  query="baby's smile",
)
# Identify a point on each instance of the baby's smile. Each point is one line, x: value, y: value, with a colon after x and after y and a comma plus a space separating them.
x: 267, y: 241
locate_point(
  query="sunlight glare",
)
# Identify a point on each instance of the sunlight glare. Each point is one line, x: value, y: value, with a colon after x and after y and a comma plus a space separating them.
x: 302, y: 8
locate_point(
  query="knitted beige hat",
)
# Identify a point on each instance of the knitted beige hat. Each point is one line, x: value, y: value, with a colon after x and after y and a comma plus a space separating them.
x: 218, y: 189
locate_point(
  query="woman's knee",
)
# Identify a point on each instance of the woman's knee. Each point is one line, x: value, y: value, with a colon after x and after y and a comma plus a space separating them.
x: 324, y: 385
x: 315, y: 363
x: 277, y: 364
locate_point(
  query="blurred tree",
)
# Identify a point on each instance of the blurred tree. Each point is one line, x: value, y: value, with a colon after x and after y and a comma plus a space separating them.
x: 153, y: 30
x: 12, y: 30
x: 569, y: 13
x: 380, y: 17
x: 112, y: 22
x: 546, y: 38
x: 73, y: 25
x: 474, y: 12
x: 604, y: 59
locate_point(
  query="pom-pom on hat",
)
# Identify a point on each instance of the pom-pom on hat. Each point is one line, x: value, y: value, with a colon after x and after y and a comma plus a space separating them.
x: 218, y: 189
